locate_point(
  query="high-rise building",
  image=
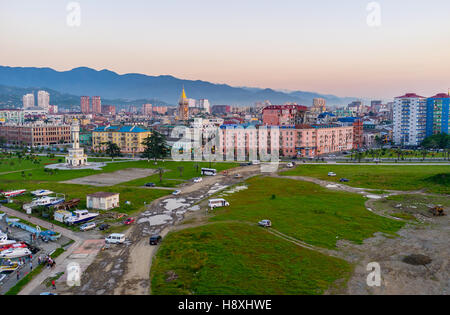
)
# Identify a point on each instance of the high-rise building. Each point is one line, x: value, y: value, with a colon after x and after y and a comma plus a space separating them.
x: 85, y: 105
x: 28, y: 100
x: 183, y: 107
x: 438, y: 114
x: 410, y: 119
x: 43, y: 100
x: 204, y: 105
x: 147, y: 109
x: 96, y: 105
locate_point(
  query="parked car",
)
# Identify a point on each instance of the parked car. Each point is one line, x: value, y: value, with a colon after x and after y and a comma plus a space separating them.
x: 243, y: 164
x: 344, y: 180
x: 332, y: 174
x: 104, y: 227
x: 115, y: 239
x: 150, y: 185
x: 129, y: 221
x: 176, y: 192
x: 198, y: 180
x: 256, y: 162
x: 237, y: 176
x: 88, y: 226
x: 265, y: 223
x: 290, y: 165
x: 155, y: 239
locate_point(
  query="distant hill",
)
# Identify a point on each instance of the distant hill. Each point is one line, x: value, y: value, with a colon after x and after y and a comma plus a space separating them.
x: 133, y: 86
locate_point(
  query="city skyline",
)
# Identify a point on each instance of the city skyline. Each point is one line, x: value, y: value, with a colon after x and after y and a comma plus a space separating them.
x: 325, y: 47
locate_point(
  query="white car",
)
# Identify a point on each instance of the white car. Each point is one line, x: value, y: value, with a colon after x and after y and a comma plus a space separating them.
x: 332, y: 174
x: 256, y: 162
x: 176, y: 192
x: 290, y: 165
x: 88, y: 226
x: 198, y: 180
x: 265, y: 223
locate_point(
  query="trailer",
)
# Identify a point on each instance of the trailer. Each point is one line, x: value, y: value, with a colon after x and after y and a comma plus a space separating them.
x: 217, y: 203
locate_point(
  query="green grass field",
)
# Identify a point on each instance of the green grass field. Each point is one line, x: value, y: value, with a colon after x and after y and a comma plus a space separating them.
x: 403, y: 177
x: 305, y: 211
x: 234, y: 258
x: 14, y: 164
x: 171, y: 172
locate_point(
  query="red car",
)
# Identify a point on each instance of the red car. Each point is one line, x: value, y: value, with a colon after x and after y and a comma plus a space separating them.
x: 129, y: 221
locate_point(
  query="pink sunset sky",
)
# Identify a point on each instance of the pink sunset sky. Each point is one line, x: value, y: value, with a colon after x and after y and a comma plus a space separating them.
x: 324, y: 46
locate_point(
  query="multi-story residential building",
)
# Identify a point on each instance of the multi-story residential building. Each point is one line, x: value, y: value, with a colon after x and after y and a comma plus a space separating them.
x: 108, y: 110
x: 221, y: 109
x: 438, y: 114
x: 28, y: 100
x: 147, y: 109
x: 85, y: 105
x: 409, y: 119
x: 128, y: 138
x: 36, y: 134
x: 43, y: 100
x: 13, y: 116
x: 204, y: 105
x: 162, y: 110
x: 284, y: 115
x: 96, y: 104
x: 290, y: 141
x: 319, y: 105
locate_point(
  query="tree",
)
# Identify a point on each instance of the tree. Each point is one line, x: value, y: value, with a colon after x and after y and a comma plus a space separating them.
x: 155, y: 146
x: 439, y: 141
x: 112, y: 149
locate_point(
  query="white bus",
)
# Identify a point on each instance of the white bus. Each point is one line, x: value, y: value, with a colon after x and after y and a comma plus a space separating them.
x: 209, y: 172
x: 217, y: 203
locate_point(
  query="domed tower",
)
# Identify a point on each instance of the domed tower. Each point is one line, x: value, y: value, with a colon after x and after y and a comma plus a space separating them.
x: 183, y: 107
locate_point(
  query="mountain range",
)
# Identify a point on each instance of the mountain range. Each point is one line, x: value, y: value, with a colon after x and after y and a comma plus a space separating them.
x: 65, y: 88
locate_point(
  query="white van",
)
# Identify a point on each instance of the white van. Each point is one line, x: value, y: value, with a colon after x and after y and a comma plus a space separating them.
x: 216, y: 203
x: 256, y: 162
x: 115, y: 239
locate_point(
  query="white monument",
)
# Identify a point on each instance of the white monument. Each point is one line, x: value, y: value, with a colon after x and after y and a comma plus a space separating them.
x: 76, y: 156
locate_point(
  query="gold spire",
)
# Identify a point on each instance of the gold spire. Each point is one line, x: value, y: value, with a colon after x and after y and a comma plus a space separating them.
x: 183, y: 94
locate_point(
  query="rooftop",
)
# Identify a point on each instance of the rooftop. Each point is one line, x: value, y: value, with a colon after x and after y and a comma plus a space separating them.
x: 102, y: 194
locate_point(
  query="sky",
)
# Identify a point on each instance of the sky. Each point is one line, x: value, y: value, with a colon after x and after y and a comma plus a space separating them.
x: 324, y: 46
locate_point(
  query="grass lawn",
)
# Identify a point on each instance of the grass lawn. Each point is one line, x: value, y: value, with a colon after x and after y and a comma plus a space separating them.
x: 403, y: 177
x: 236, y: 258
x: 305, y: 211
x: 15, y: 164
x: 171, y: 168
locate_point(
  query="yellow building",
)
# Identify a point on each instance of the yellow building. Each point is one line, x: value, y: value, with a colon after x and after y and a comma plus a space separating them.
x: 128, y: 138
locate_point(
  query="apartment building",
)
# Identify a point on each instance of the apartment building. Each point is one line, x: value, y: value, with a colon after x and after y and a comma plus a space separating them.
x: 35, y: 135
x: 284, y: 115
x: 438, y: 114
x: 128, y: 138
x: 410, y: 117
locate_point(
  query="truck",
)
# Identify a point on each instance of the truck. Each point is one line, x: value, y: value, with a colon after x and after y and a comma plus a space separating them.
x: 217, y: 203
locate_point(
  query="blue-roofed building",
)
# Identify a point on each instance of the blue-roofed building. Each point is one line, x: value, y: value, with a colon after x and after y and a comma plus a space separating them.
x: 438, y: 114
x: 128, y: 138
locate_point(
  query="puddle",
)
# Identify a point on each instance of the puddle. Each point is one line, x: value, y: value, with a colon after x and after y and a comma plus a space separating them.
x: 194, y: 208
x: 156, y: 220
x: 173, y: 204
x: 373, y: 197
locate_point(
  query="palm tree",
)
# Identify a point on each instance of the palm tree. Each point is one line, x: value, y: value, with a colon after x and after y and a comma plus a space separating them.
x: 112, y: 149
